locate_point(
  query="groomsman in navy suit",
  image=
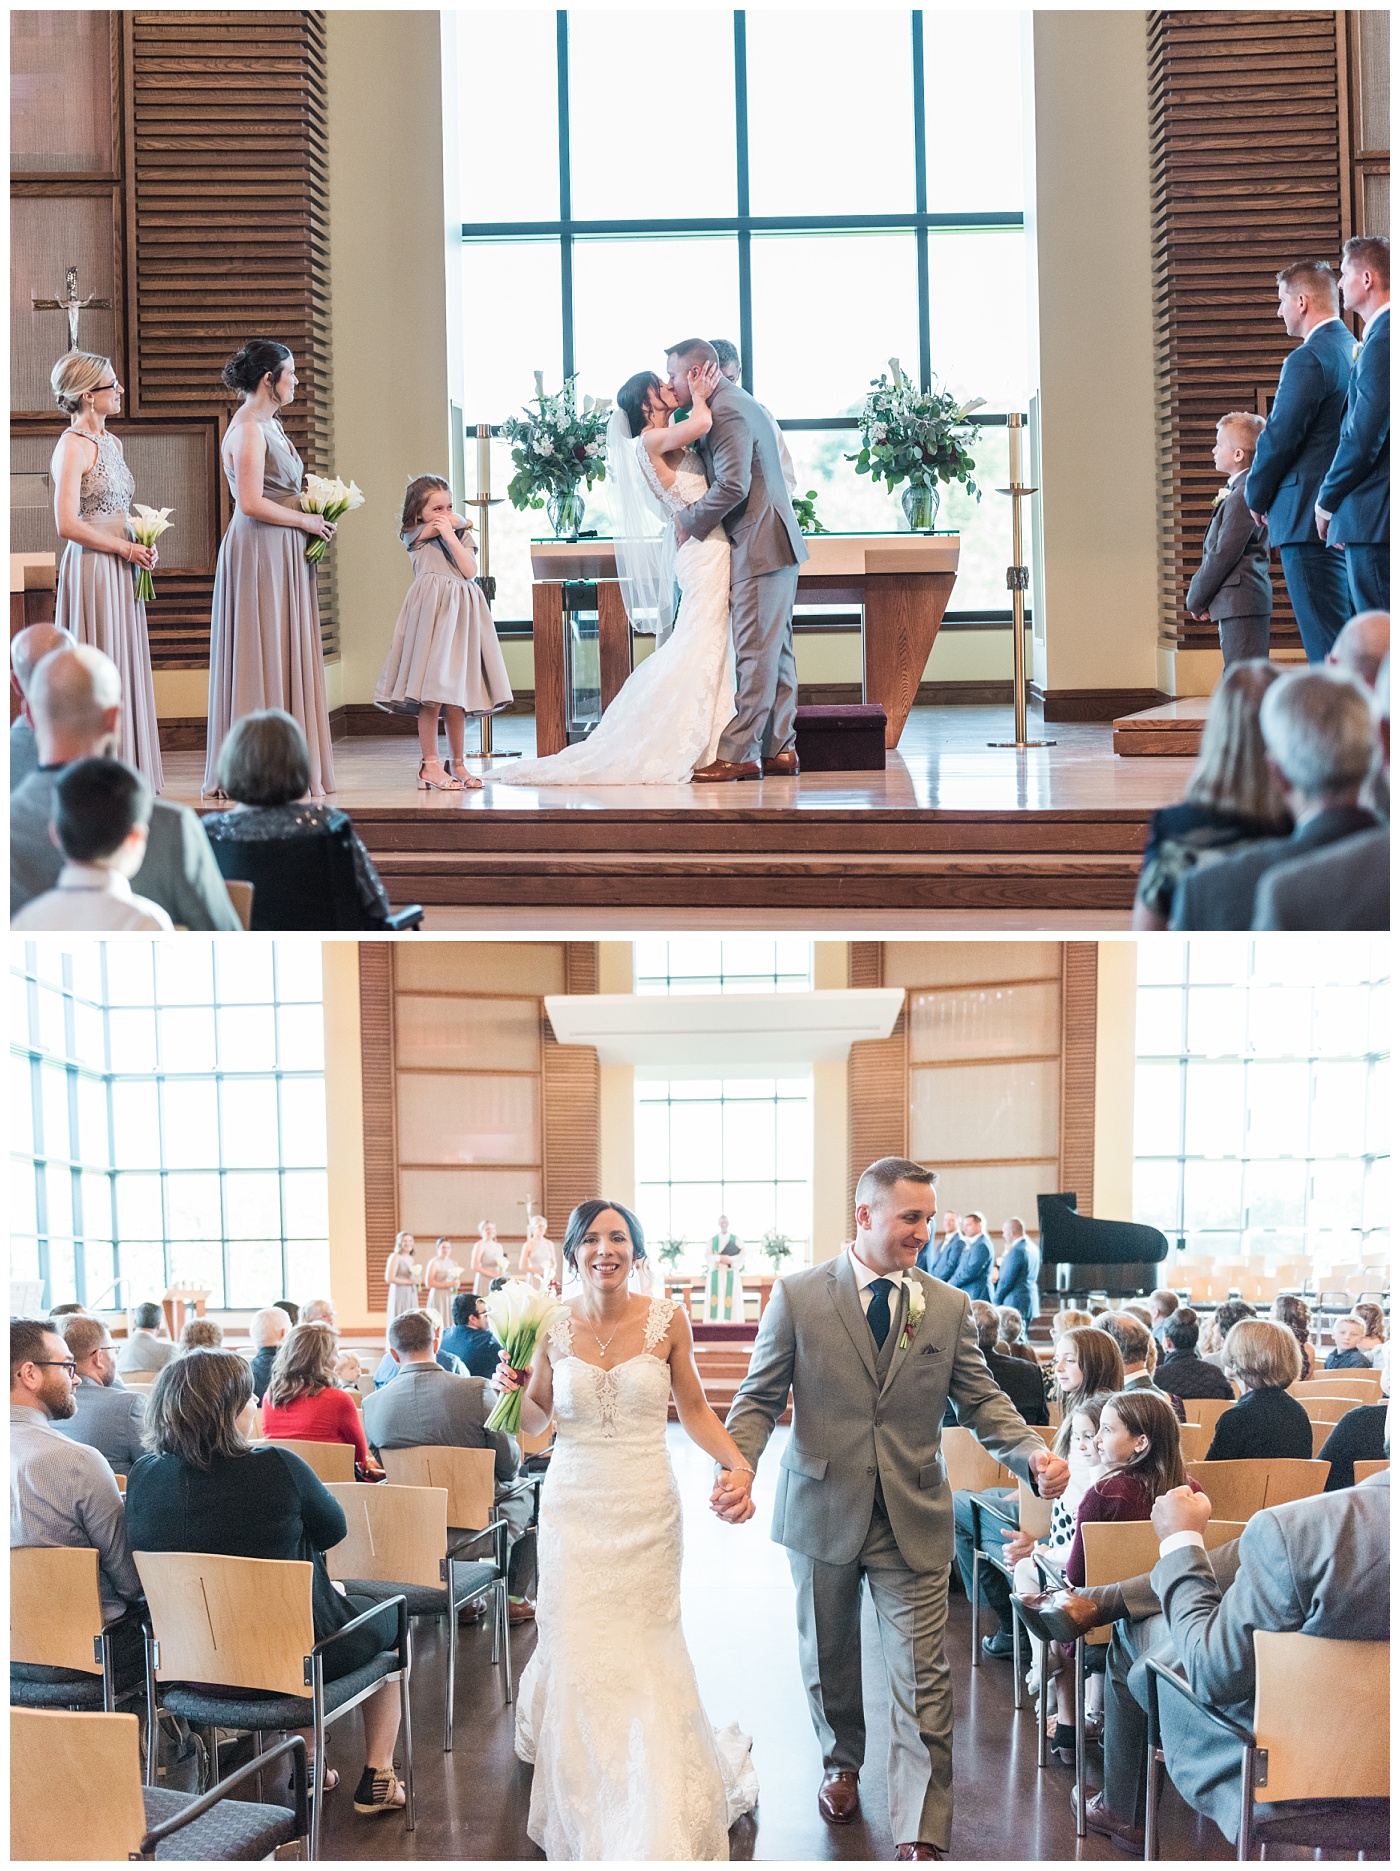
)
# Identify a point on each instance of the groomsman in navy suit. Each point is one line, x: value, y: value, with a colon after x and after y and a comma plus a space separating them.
x: 972, y: 1275
x: 943, y: 1265
x: 1296, y: 449
x: 1353, y: 504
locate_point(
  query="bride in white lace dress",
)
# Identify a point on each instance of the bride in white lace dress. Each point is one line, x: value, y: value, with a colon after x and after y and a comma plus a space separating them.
x: 626, y: 1763
x: 668, y: 716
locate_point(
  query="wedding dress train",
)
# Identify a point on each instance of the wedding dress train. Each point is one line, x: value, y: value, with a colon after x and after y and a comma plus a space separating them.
x: 669, y: 715
x: 626, y: 1763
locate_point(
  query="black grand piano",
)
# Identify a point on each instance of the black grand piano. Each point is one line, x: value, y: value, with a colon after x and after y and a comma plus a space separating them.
x: 1119, y: 1258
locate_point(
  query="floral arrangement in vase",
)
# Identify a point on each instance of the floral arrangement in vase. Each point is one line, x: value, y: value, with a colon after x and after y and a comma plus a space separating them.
x: 775, y: 1246
x: 556, y: 449
x: 670, y: 1252
x: 915, y: 438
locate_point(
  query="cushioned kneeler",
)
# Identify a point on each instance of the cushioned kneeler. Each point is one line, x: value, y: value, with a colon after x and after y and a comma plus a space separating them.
x: 847, y: 739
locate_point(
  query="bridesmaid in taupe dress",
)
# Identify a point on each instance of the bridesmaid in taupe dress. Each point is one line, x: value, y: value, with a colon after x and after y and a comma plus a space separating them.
x: 265, y: 636
x: 96, y: 597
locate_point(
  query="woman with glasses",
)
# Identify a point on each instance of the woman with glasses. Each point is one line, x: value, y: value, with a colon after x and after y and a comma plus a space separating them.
x: 96, y: 598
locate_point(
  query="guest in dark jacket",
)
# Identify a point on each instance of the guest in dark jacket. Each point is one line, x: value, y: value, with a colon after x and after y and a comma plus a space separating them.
x: 1232, y: 588
x: 205, y: 1489
x: 470, y: 1338
x: 1266, y: 1424
x: 1359, y: 1437
x: 267, y: 1329
x: 1018, y: 1277
x: 1181, y: 1372
x: 1348, y: 1356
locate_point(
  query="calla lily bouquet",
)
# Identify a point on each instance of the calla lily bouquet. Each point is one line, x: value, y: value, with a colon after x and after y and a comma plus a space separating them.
x: 565, y: 443
x: 330, y: 499
x: 917, y: 436
x: 519, y: 1315
x: 147, y: 525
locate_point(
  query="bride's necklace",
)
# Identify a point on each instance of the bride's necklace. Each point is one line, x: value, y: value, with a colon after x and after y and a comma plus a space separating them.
x: 603, y: 1343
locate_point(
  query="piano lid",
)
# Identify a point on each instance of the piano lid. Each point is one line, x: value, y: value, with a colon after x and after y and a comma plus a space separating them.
x: 1066, y: 1235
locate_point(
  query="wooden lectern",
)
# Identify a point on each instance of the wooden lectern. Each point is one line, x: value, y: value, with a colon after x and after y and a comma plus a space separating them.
x: 179, y: 1303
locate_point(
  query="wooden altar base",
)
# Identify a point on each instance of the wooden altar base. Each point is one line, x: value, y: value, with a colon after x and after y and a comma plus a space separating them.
x: 1171, y: 731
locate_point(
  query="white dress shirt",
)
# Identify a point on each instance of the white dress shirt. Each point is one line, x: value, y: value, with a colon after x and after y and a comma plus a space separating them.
x: 63, y: 1493
x: 89, y: 896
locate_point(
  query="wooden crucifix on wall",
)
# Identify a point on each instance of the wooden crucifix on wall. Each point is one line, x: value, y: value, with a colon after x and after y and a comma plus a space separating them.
x: 71, y: 304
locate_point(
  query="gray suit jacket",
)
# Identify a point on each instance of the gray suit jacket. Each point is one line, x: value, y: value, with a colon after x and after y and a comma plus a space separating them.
x: 1346, y: 886
x: 24, y: 753
x: 1233, y: 577
x: 109, y: 1420
x: 1221, y: 895
x: 142, y: 1352
x: 1320, y: 1567
x: 425, y: 1405
x: 747, y: 490
x: 179, y: 872
x: 849, y: 1429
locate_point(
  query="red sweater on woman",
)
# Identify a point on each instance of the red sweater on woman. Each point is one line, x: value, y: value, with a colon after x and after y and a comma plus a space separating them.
x: 328, y: 1416
x: 1119, y: 1496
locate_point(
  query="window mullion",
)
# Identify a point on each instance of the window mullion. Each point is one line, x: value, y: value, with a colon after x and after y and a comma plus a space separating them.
x: 741, y: 174
x: 566, y: 198
x: 921, y: 206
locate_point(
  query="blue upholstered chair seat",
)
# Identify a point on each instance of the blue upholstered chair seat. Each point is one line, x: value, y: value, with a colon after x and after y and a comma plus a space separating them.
x: 74, y: 1690
x: 273, y: 1712
x: 470, y: 1577
x: 237, y: 1829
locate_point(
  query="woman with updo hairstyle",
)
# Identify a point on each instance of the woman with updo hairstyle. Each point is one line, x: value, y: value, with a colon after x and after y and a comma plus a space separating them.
x: 265, y: 633
x: 1293, y: 1312
x: 96, y: 598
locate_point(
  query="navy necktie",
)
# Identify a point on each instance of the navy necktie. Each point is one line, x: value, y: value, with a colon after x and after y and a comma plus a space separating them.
x: 878, y: 1314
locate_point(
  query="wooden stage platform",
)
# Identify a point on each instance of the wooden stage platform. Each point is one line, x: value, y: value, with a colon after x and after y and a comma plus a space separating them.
x: 1172, y: 731
x: 954, y: 833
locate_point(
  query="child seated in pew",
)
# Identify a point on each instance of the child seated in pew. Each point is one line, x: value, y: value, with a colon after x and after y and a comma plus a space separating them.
x: 101, y: 818
x: 1347, y: 1334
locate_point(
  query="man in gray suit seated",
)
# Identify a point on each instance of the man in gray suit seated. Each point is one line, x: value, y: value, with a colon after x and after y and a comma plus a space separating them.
x: 427, y: 1406
x: 28, y: 648
x: 75, y: 699
x: 145, y: 1348
x: 106, y: 1415
x: 1317, y: 730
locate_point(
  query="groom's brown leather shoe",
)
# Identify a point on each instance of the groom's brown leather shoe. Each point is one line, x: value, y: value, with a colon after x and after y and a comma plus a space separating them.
x: 782, y: 766
x: 727, y: 770
x: 838, y: 1800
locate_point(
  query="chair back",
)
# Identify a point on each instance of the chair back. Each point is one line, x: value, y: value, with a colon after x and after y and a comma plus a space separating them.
x: 536, y: 1445
x: 1035, y: 1512
x: 1194, y: 1441
x: 240, y: 894
x: 331, y: 1461
x: 394, y: 1534
x: 1365, y: 1386
x: 1121, y: 1549
x: 241, y: 1622
x: 1329, y: 1409
x: 121, y: 1483
x: 1293, y: 1480
x: 969, y: 1465
x: 93, y: 1763
x: 1364, y: 1470
x: 55, y: 1607
x: 1207, y: 1411
x: 139, y: 1380
x: 1294, y: 1678
x: 299, y: 882
x: 469, y: 1476
x: 1236, y: 1489
x: 1320, y: 1433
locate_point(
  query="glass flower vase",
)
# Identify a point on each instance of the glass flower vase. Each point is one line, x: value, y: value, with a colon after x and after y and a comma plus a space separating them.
x: 565, y: 514
x: 920, y: 506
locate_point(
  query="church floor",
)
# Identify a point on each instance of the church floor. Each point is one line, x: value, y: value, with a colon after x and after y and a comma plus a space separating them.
x: 737, y: 1598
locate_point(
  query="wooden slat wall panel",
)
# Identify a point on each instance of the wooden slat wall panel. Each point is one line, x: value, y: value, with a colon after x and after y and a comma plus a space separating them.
x: 865, y: 964
x: 878, y: 1082
x: 1247, y: 166
x: 381, y: 1138
x: 1079, y: 1000
x: 572, y: 1143
x: 228, y: 216
x: 581, y: 967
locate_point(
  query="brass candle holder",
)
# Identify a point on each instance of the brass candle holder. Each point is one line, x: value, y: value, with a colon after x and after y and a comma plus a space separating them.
x: 483, y: 502
x: 1018, y: 580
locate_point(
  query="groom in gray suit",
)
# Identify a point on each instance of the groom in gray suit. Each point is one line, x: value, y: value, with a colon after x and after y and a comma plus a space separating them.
x: 872, y: 1349
x: 748, y: 495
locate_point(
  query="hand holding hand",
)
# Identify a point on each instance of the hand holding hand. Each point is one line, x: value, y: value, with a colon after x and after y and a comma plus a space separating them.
x: 732, y: 1495
x: 1016, y: 1545
x: 1180, y: 1510
x: 1050, y: 1473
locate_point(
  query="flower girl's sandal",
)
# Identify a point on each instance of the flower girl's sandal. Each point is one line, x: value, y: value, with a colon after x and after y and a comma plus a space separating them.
x: 468, y: 782
x: 449, y: 783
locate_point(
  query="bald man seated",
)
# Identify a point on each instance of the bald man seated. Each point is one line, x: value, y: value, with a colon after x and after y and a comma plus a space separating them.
x: 28, y: 648
x: 74, y: 701
x: 1362, y: 646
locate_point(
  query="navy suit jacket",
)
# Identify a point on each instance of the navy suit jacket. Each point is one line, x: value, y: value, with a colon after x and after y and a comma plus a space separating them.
x: 1301, y: 436
x: 1356, y: 491
x: 944, y: 1264
x: 971, y: 1275
x: 1016, y: 1283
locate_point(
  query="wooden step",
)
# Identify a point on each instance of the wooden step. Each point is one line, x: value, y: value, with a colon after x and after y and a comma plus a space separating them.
x: 1172, y: 730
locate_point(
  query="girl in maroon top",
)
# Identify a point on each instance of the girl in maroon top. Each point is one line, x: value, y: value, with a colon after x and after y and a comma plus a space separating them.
x: 302, y: 1403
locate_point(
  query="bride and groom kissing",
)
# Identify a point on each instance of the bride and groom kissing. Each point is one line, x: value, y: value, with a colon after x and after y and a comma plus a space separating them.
x: 871, y: 1349
x: 699, y: 506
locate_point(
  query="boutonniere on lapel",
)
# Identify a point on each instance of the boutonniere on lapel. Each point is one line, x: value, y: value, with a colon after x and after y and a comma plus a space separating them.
x: 1224, y: 494
x: 1356, y: 351
x: 913, y: 1311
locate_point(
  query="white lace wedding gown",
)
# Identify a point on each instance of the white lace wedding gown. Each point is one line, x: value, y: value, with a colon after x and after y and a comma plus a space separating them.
x: 626, y: 1763
x: 669, y: 714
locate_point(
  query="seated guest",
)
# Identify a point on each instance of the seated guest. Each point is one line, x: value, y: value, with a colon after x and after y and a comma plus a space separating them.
x: 389, y: 1367
x: 972, y: 1275
x: 318, y: 1312
x: 1087, y: 1362
x: 426, y: 1406
x: 1019, y: 1382
x: 264, y: 766
x: 1019, y: 1274
x: 1069, y: 1320
x: 290, y: 1308
x: 75, y: 701
x: 1233, y: 796
x: 1138, y: 1350
x: 1362, y: 646
x: 1015, y: 1346
x: 28, y: 648
x: 1346, y: 885
x: 1216, y: 1330
x: 302, y: 1402
x: 942, y: 1263
x: 1161, y: 1304
x: 470, y: 1338
x: 1182, y: 1373
x: 1266, y: 1424
x: 1372, y: 1320
x: 1317, y: 729
x: 63, y: 1493
x: 348, y: 1370
x: 1347, y: 1355
x: 102, y: 814
x: 204, y: 1334
x: 106, y: 1416
x: 1359, y: 1437
x: 205, y: 1488
x: 146, y: 1348
x: 267, y: 1329
x: 1293, y: 1312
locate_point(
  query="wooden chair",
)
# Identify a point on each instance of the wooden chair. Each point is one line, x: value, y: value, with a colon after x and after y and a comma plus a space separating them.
x: 397, y: 1537
x: 970, y: 1466
x: 247, y: 1623
x: 121, y: 1483
x: 1289, y: 1755
x: 1365, y: 1386
x: 56, y: 1622
x: 1239, y: 1490
x: 240, y: 894
x: 104, y: 1812
x: 1207, y: 1411
x: 536, y: 1445
x: 330, y: 1461
x: 1363, y: 1470
x: 1194, y: 1441
x: 1328, y: 1409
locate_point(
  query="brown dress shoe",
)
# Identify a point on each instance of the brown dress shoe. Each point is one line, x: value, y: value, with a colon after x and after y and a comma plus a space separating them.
x: 726, y: 770
x: 1102, y: 1819
x: 838, y: 1800
x: 919, y: 1849
x: 521, y: 1611
x: 783, y: 765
